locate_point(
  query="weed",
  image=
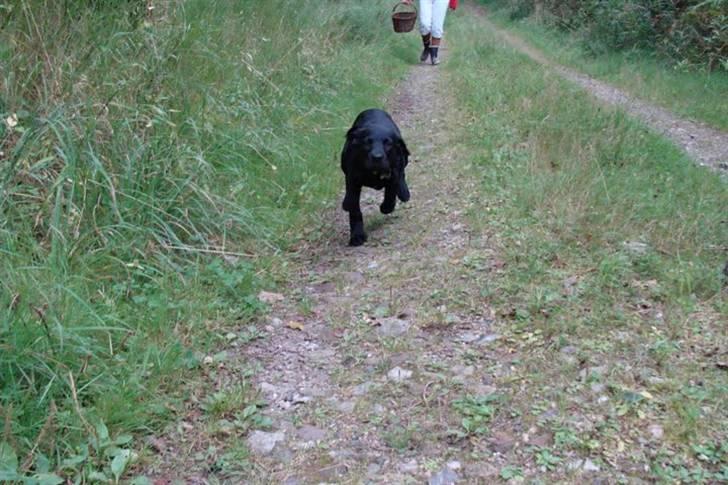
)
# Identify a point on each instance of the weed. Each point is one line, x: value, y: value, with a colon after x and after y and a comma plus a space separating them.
x: 511, y: 472
x: 565, y: 438
x: 662, y: 349
x: 476, y: 412
x: 713, y: 453
x: 546, y: 459
x: 400, y: 437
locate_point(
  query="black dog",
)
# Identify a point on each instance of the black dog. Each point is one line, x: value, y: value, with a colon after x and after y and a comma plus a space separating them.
x: 375, y: 156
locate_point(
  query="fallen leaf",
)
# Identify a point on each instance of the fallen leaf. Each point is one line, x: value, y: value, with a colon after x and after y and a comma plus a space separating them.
x: 12, y: 120
x: 295, y: 325
x: 269, y: 297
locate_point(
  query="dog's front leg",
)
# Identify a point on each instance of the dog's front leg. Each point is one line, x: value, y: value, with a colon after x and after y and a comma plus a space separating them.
x: 356, y: 220
x: 351, y: 197
x: 402, y: 190
x: 390, y: 199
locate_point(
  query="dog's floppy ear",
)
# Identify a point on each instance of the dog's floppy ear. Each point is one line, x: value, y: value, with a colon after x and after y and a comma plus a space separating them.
x: 355, y: 134
x: 403, y: 151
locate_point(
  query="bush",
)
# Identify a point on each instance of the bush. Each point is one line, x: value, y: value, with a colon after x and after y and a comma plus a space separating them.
x: 700, y: 35
x: 521, y: 8
x: 690, y: 32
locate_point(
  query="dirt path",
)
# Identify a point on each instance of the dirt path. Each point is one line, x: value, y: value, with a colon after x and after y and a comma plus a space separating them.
x: 385, y: 363
x: 706, y: 145
x: 367, y: 351
x: 365, y: 390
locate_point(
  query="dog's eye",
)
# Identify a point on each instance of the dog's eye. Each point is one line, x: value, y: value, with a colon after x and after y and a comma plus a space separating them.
x: 368, y: 141
x: 388, y: 142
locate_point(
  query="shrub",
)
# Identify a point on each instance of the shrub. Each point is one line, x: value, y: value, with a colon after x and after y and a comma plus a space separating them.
x: 690, y: 32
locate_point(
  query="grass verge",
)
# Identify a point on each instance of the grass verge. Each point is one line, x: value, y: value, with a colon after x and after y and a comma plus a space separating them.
x: 700, y: 95
x: 611, y: 295
x: 153, y: 165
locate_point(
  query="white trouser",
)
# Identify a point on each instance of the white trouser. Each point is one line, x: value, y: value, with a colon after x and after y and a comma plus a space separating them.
x: 432, y: 17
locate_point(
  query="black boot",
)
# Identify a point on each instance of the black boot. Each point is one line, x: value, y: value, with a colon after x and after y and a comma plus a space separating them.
x: 433, y: 55
x: 426, y: 51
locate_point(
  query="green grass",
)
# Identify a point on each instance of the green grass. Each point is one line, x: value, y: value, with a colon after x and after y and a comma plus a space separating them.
x: 696, y: 94
x: 152, y: 170
x: 567, y: 188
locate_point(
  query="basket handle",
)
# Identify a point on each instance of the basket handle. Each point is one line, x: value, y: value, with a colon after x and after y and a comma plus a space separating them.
x: 399, y: 4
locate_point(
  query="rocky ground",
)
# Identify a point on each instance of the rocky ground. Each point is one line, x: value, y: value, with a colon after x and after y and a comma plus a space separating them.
x: 386, y: 364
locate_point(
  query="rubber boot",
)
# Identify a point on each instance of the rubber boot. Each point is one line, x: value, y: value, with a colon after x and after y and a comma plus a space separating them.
x: 426, y: 51
x: 434, y: 47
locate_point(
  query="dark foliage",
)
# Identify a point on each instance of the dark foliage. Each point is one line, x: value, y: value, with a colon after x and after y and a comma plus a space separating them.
x: 693, y: 32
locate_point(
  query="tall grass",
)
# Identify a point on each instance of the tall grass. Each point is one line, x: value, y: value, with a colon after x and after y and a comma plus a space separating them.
x: 613, y: 241
x: 693, y: 92
x: 595, y: 177
x: 150, y: 164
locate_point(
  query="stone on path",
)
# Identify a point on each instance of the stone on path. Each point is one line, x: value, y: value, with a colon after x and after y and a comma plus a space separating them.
x: 311, y: 433
x: 399, y: 375
x: 656, y: 431
x: 392, y: 327
x: 262, y: 443
x: 446, y: 476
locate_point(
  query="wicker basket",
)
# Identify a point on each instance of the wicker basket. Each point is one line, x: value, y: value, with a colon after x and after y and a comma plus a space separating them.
x: 404, y: 20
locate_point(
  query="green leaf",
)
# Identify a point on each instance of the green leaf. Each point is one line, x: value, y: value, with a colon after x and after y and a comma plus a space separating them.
x: 42, y: 463
x: 73, y: 461
x: 98, y: 477
x: 48, y: 479
x: 113, y: 451
x: 8, y: 458
x: 264, y: 422
x: 141, y: 481
x: 381, y: 311
x: 102, y: 432
x: 220, y: 357
x: 8, y: 476
x: 119, y: 463
x: 249, y: 411
x: 509, y: 472
x: 123, y: 439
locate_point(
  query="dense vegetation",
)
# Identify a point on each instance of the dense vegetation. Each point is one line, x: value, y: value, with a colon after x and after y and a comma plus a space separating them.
x: 692, y: 32
x: 151, y: 162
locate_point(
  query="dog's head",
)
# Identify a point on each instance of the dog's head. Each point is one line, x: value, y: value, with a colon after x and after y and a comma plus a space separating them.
x: 382, y: 150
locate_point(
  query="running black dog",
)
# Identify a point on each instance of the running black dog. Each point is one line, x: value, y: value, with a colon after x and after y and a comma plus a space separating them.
x: 375, y: 156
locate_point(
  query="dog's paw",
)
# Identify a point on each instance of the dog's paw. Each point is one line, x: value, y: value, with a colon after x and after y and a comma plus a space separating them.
x: 357, y: 239
x: 403, y: 194
x: 387, y: 208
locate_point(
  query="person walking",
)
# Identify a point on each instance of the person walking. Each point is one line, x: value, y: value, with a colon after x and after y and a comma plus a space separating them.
x: 432, y: 23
